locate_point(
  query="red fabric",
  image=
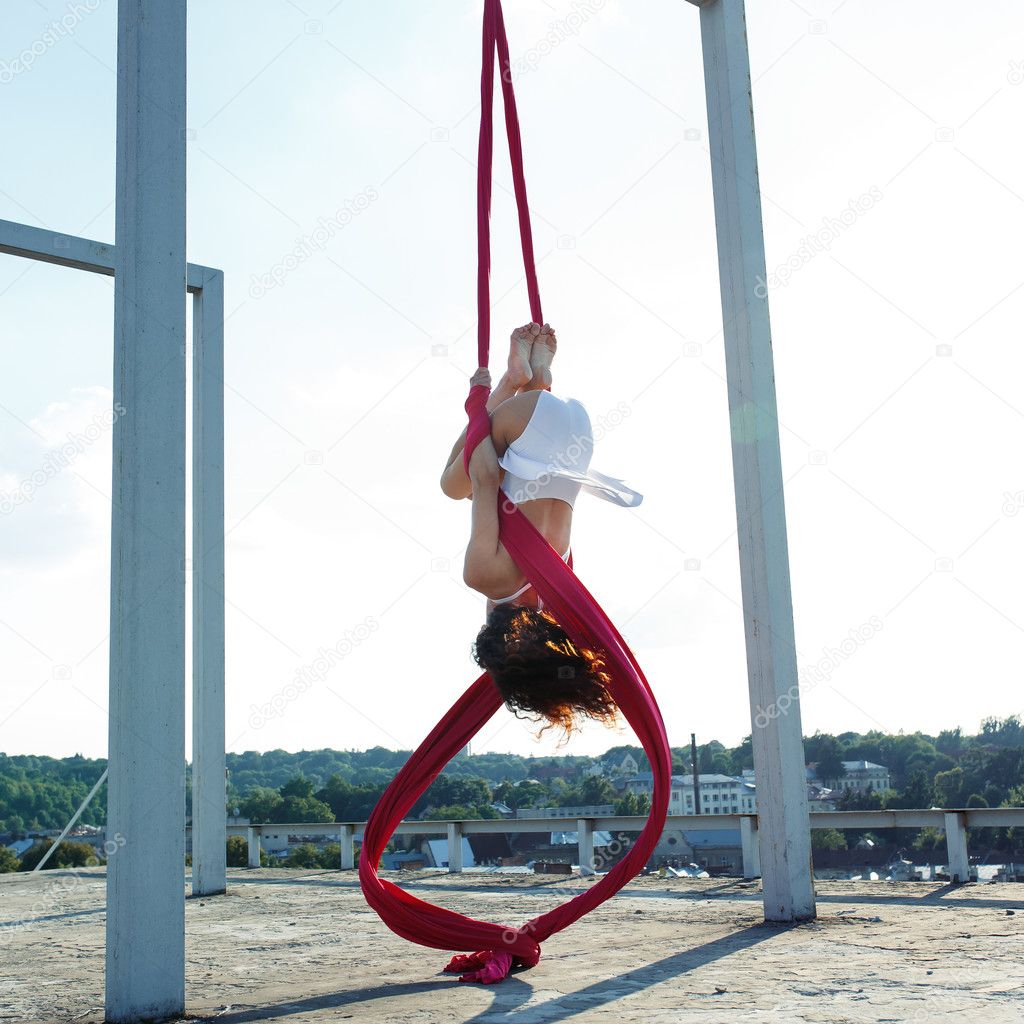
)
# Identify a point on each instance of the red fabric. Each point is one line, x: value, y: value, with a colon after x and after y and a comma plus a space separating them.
x: 498, y: 947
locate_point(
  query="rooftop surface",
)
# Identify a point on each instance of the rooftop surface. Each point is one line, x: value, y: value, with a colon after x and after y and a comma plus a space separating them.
x: 299, y: 947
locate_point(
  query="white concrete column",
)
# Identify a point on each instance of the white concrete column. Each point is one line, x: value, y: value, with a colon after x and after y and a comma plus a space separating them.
x: 585, y: 835
x: 751, y: 852
x: 757, y: 468
x: 956, y: 847
x: 145, y: 965
x: 253, y: 837
x: 455, y: 847
x: 209, y: 811
x: 348, y: 849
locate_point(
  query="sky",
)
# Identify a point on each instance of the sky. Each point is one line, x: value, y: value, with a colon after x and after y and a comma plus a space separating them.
x: 331, y: 175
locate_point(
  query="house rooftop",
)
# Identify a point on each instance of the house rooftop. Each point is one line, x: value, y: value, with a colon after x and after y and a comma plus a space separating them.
x: 687, y: 780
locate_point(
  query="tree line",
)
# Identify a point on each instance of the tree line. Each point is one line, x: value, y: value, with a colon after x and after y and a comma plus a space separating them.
x: 953, y: 769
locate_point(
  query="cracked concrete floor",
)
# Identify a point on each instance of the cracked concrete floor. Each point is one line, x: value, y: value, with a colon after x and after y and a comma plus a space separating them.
x: 301, y: 947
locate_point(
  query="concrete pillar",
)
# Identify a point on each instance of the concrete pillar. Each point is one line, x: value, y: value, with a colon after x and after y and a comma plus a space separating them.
x: 455, y: 847
x: 145, y: 940
x: 209, y: 811
x: 348, y: 848
x: 956, y: 847
x: 757, y: 468
x: 585, y: 835
x: 253, y: 836
x: 751, y: 852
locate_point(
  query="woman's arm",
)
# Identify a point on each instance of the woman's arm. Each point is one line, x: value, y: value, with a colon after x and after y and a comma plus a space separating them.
x: 454, y: 481
x: 486, y: 565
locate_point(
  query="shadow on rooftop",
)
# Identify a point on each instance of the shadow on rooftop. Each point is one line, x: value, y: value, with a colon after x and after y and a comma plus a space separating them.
x: 515, y: 992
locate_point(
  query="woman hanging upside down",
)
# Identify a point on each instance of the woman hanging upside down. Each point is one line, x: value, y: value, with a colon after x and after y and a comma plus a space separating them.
x: 538, y: 455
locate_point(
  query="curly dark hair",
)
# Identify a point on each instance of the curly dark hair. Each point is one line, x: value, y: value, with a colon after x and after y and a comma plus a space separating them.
x: 540, y: 672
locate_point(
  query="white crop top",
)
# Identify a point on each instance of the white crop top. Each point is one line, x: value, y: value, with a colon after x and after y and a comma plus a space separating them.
x: 551, y: 458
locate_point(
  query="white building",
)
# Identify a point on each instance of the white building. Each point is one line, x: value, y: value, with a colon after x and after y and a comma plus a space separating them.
x: 861, y: 777
x: 584, y: 811
x: 719, y: 794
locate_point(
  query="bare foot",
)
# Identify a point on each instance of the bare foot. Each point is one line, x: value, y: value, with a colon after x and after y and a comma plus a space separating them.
x: 519, y: 369
x: 541, y: 355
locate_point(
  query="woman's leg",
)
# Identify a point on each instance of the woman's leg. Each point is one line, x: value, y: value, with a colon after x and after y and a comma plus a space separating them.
x: 542, y: 353
x: 518, y: 376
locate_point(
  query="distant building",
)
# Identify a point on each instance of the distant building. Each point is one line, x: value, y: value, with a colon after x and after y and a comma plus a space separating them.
x: 435, y: 853
x: 626, y: 768
x: 859, y: 777
x: 719, y: 794
x: 672, y: 847
x: 717, y: 848
x: 585, y: 811
x: 820, y: 799
x: 403, y: 860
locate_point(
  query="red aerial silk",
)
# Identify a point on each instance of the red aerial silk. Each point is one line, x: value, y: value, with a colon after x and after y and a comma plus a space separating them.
x: 562, y: 593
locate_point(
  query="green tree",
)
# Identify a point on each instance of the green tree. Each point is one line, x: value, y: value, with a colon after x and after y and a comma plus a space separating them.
x: 461, y: 812
x: 949, y: 788
x: 827, y: 839
x: 825, y: 751
x: 633, y: 803
x: 919, y: 792
x: 8, y: 860
x: 329, y: 856
x: 238, y: 852
x: 305, y: 855
x: 260, y: 805
x: 596, y: 790
x: 743, y: 755
x: 929, y: 839
x: 454, y: 789
x: 950, y: 741
x: 521, y: 794
x: 67, y: 855
x: 302, y: 808
x: 299, y: 787
x: 1003, y: 732
x: 1013, y: 838
x: 349, y: 802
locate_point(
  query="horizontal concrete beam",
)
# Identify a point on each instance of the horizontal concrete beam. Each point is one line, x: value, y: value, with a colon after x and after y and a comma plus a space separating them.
x: 78, y: 253
x: 975, y: 817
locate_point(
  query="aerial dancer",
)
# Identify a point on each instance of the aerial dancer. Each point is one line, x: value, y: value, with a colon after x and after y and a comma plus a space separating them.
x: 548, y: 649
x: 538, y: 456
